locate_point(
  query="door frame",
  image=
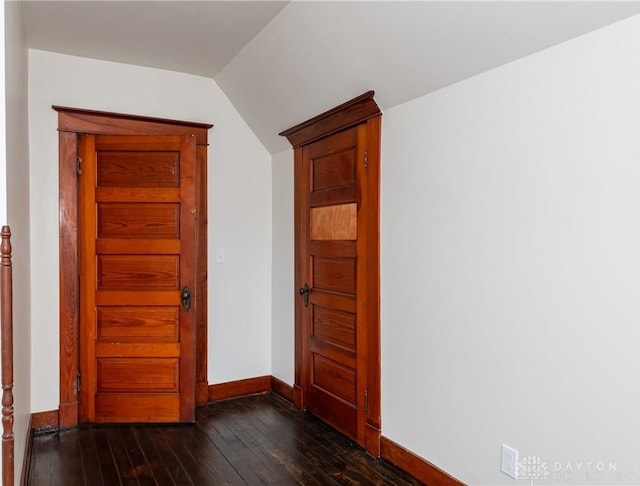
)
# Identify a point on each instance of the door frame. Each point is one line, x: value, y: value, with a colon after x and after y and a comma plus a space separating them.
x: 360, y: 110
x: 71, y: 123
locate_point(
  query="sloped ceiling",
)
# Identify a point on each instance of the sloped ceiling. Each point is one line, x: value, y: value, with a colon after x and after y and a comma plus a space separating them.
x: 281, y: 63
x: 192, y: 37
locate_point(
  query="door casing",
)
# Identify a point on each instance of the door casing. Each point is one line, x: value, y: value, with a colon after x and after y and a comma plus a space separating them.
x: 71, y: 123
x: 360, y: 110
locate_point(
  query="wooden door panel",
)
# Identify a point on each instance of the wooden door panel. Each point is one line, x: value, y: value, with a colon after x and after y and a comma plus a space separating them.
x: 158, y: 272
x: 140, y: 407
x: 334, y: 326
x: 138, y: 220
x: 138, y: 216
x: 138, y: 324
x: 138, y: 169
x: 334, y: 170
x: 160, y: 375
x: 334, y: 223
x: 335, y: 274
x: 333, y: 410
x: 334, y: 378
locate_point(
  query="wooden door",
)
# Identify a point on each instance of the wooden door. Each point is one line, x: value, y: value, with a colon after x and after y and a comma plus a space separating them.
x: 338, y: 265
x: 137, y: 254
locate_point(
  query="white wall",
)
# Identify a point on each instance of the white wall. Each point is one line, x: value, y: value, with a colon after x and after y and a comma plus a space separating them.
x: 17, y: 188
x: 239, y: 206
x: 282, y: 277
x: 510, y: 265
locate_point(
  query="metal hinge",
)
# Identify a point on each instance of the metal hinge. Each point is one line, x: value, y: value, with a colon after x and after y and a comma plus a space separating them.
x: 78, y: 383
x: 78, y: 166
x: 366, y: 160
x: 366, y: 400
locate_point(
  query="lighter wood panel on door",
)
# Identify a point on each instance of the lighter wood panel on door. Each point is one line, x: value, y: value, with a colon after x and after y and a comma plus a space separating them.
x: 338, y: 222
x: 135, y: 220
x: 144, y: 272
x: 158, y: 375
x: 138, y: 169
x: 138, y: 324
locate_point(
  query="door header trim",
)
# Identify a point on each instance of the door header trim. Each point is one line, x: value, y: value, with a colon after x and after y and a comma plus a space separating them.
x: 346, y: 115
x: 105, y: 123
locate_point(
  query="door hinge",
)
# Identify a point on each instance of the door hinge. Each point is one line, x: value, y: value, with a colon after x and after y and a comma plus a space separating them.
x: 78, y: 166
x: 78, y: 383
x: 366, y: 400
x: 366, y: 160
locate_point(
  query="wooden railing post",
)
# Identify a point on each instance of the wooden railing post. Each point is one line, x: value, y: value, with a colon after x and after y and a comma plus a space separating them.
x: 6, y: 349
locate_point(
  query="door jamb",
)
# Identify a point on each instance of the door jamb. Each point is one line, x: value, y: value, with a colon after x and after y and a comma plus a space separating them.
x: 71, y: 123
x: 359, y: 110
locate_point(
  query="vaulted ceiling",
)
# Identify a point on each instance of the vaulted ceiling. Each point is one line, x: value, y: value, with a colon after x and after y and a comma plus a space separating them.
x: 283, y: 62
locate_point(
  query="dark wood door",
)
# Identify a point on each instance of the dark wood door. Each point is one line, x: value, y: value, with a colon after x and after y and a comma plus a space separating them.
x: 137, y: 254
x: 337, y: 179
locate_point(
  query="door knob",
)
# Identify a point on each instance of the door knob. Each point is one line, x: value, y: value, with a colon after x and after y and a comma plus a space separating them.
x: 185, y: 295
x: 304, y: 291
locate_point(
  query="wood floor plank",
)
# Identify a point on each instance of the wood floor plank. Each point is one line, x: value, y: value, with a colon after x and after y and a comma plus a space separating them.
x: 108, y: 468
x: 40, y: 470
x: 198, y: 455
x: 67, y: 468
x: 128, y: 475
x: 253, y: 440
x: 282, y: 447
x: 176, y: 469
x: 88, y: 456
x: 156, y: 464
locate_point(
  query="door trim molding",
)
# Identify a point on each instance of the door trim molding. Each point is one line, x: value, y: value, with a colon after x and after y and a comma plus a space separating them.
x: 346, y: 115
x: 357, y: 111
x: 71, y: 123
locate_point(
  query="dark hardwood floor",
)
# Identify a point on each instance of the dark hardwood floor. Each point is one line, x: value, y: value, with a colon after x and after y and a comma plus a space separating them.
x: 252, y: 440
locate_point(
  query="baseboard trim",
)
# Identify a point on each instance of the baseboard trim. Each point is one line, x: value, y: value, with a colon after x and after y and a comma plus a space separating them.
x: 44, y: 421
x: 239, y: 388
x: 68, y: 415
x: 414, y: 465
x: 281, y: 389
x: 202, y: 393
